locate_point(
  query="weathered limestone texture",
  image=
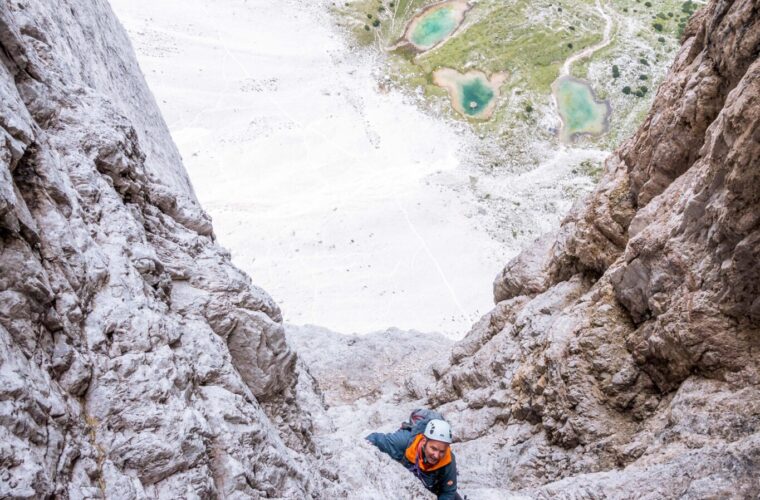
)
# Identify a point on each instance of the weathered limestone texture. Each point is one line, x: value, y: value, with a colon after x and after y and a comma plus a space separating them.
x: 622, y: 358
x: 136, y: 360
x: 623, y: 354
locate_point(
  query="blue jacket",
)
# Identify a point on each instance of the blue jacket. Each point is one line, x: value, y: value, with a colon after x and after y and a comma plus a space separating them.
x: 442, y: 482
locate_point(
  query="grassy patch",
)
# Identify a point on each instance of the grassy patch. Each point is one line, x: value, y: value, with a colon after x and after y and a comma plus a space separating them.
x: 530, y: 40
x: 589, y: 168
x: 385, y: 18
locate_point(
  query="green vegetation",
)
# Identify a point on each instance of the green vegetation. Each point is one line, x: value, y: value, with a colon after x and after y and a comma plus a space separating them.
x: 530, y: 40
x: 688, y: 8
x: 641, y: 91
x: 357, y: 13
x: 590, y: 169
x: 531, y: 51
x: 632, y: 41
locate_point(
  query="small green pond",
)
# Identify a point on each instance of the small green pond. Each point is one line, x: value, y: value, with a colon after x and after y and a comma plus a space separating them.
x: 579, y: 109
x: 435, y: 26
x: 475, y: 95
x: 472, y: 94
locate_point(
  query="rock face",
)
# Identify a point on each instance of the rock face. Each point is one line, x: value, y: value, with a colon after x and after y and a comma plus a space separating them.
x: 136, y: 360
x: 623, y: 354
x: 352, y: 367
x: 624, y: 351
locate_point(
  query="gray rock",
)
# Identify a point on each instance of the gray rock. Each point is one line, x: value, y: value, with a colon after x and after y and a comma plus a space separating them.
x: 136, y: 362
x: 622, y: 356
x: 135, y: 357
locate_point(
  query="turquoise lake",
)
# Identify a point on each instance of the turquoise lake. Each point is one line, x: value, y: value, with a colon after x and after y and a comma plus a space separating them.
x: 435, y: 27
x: 581, y: 113
x: 475, y: 95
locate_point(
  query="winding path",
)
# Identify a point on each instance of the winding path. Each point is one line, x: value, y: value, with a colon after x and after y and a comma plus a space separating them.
x: 588, y: 51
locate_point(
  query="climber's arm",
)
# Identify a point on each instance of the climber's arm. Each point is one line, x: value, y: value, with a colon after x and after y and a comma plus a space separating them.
x: 394, y: 444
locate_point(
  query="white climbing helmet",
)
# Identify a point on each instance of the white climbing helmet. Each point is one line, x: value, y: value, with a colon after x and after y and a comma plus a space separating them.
x: 438, y: 430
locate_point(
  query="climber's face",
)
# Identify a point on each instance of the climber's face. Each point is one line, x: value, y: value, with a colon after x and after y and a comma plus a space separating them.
x: 434, y: 451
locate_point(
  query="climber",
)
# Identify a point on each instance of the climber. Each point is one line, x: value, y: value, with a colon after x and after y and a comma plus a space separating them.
x: 426, y: 454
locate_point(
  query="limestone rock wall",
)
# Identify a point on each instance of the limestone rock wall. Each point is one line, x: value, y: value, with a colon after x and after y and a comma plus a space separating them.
x: 623, y: 353
x: 135, y: 360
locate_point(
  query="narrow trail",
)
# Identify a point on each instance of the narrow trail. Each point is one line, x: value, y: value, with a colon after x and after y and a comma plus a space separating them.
x: 588, y: 51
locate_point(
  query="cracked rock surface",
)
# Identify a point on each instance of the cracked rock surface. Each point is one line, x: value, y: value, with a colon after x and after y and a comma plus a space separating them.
x: 136, y: 361
x: 623, y: 354
x: 622, y: 357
